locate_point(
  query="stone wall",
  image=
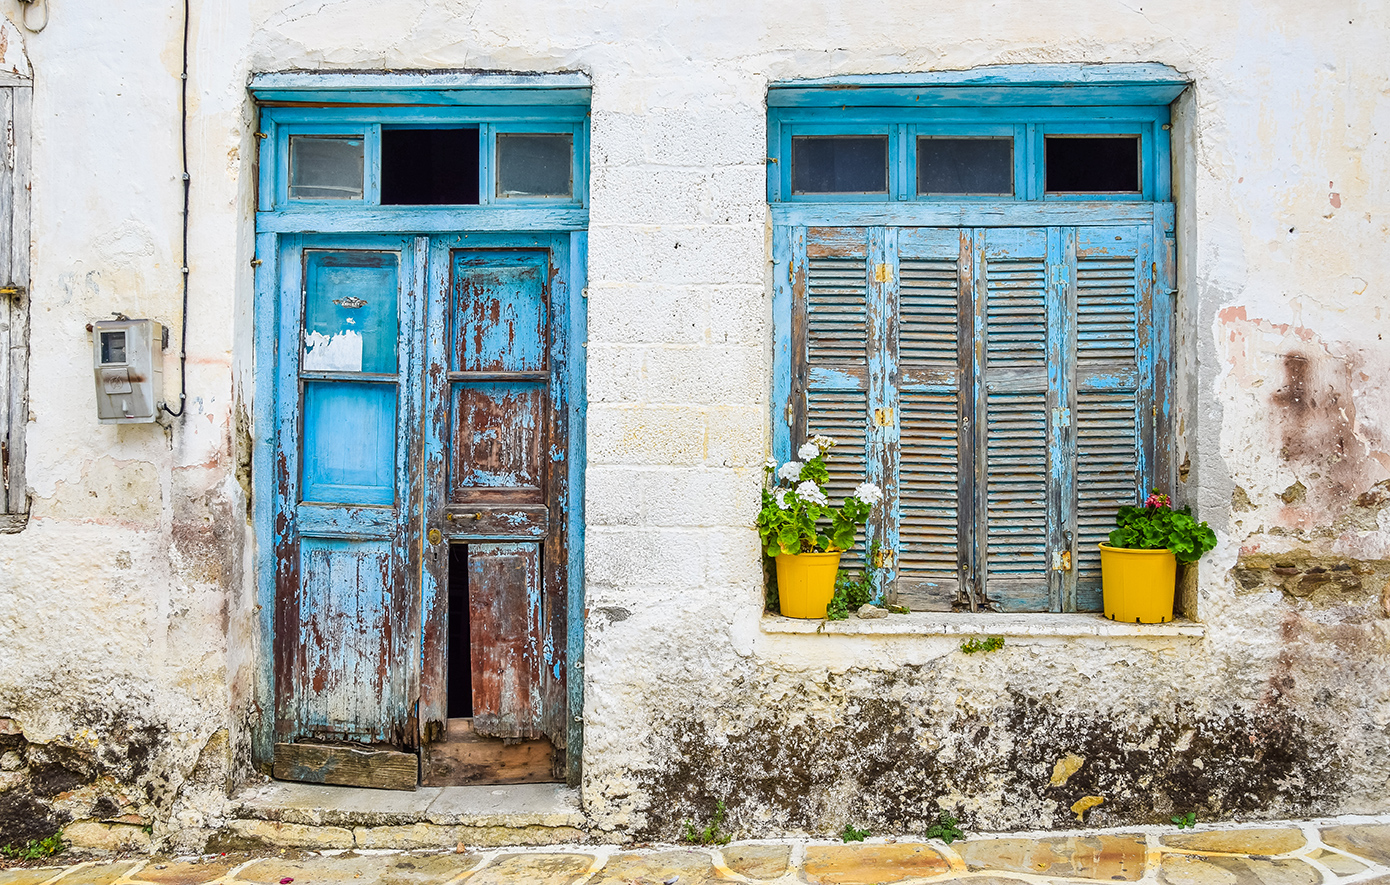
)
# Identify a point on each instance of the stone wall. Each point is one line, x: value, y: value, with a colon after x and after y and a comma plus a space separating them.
x: 127, y: 605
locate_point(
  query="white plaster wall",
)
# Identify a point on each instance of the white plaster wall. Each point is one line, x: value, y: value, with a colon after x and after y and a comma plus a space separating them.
x: 130, y: 592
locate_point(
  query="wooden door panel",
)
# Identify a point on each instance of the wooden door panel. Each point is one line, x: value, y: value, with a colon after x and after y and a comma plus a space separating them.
x: 1013, y: 448
x: 350, y: 683
x: 500, y: 312
x: 1113, y: 410
x: 499, y: 432
x: 504, y: 602
x: 356, y: 467
x: 345, y: 603
x: 497, y: 464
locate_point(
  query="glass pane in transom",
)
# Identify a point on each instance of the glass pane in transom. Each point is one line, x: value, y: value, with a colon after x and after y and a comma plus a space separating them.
x: 965, y: 166
x: 840, y: 164
x: 535, y: 165
x: 325, y: 167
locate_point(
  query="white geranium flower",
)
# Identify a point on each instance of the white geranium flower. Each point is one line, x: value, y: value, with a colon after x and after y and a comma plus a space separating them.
x: 781, y: 496
x: 824, y: 443
x: 808, y: 451
x: 790, y: 471
x: 809, y: 491
x: 868, y: 493
x: 770, y: 463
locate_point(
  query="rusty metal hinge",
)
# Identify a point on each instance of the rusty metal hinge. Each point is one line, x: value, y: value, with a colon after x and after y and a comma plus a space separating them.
x: 882, y: 274
x: 883, y: 558
x: 883, y: 417
x: 12, y: 291
x: 1061, y: 559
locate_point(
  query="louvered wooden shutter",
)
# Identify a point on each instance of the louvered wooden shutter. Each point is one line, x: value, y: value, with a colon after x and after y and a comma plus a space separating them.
x: 14, y: 302
x: 1114, y: 387
x: 1012, y: 507
x: 934, y: 273
x: 834, y: 309
x: 1002, y: 457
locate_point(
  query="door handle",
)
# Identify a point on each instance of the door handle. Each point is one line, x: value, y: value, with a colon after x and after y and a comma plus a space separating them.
x: 434, y: 536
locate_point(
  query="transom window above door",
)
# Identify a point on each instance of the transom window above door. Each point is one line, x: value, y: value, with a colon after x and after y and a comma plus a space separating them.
x: 973, y: 296
x: 460, y: 157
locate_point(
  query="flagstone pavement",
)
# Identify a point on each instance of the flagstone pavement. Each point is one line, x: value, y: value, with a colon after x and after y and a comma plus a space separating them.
x: 1344, y: 851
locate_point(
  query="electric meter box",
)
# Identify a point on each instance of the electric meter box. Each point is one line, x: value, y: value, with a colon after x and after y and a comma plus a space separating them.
x: 129, y: 356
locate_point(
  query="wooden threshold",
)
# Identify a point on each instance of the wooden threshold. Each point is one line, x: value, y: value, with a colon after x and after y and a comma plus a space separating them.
x: 466, y: 757
x: 346, y: 766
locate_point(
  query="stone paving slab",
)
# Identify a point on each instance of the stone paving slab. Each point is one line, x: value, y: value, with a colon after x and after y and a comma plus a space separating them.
x: 1270, y: 841
x: 1117, y: 858
x: 1371, y: 841
x: 1186, y: 869
x: 1350, y: 851
x: 870, y: 864
x: 758, y: 861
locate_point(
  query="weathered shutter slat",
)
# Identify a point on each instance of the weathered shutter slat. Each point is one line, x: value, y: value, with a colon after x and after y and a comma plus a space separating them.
x: 1110, y: 335
x: 1015, y: 431
x: 929, y: 465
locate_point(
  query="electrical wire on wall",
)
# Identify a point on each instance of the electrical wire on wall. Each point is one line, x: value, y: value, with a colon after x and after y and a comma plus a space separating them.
x: 24, y: 16
x: 183, y: 262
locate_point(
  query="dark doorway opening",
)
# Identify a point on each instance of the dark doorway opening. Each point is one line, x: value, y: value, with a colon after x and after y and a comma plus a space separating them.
x: 460, y: 643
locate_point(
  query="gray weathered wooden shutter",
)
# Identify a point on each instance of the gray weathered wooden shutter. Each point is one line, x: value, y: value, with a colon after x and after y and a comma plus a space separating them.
x: 1114, y: 387
x: 834, y: 311
x: 933, y: 294
x: 14, y: 302
x: 1013, y: 516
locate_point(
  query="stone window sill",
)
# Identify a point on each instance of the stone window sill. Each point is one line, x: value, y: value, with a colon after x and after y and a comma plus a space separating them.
x: 1037, y: 625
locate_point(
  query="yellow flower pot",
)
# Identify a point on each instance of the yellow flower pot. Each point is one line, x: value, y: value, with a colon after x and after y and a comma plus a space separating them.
x: 806, y: 583
x: 1137, y: 585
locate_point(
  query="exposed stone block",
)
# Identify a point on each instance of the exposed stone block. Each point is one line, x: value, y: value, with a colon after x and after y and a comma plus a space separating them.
x: 106, y: 837
x: 264, y: 833
x: 1316, y: 578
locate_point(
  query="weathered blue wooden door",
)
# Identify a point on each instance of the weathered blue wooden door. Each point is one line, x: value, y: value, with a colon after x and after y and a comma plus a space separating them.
x: 498, y: 411
x: 347, y: 527
x: 423, y: 403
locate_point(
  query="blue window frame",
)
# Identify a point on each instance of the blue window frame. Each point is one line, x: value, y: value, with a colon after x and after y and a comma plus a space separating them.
x: 992, y: 352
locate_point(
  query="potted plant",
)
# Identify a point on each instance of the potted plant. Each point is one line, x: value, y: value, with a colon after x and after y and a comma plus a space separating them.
x: 1138, y: 568
x: 803, y: 532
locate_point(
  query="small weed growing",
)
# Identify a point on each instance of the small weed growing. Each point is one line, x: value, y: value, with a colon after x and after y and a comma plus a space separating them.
x: 710, y: 835
x: 993, y: 643
x: 853, y: 834
x: 34, y: 849
x: 1185, y: 821
x: 852, y: 592
x: 945, y: 828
